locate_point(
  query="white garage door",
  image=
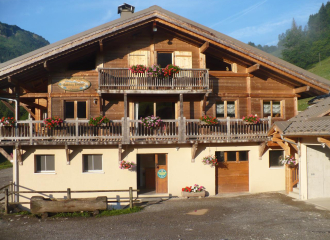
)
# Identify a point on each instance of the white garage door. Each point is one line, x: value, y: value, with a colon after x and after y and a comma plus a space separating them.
x: 318, y: 171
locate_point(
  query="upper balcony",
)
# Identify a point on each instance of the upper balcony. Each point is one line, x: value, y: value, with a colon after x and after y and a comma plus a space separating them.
x: 120, y: 80
x: 181, y: 130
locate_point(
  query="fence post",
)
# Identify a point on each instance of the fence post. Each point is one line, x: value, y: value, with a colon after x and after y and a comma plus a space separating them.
x: 6, y: 200
x: 11, y: 192
x: 68, y: 193
x: 130, y: 197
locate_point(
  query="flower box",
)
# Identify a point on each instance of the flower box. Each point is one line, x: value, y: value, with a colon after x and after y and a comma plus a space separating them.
x: 193, y: 194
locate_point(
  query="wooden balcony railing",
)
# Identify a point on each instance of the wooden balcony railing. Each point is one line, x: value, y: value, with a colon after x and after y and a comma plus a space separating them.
x: 179, y: 130
x: 124, y: 79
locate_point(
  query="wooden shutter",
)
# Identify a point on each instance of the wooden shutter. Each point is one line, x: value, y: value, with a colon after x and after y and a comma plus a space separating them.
x: 139, y: 57
x: 183, y: 59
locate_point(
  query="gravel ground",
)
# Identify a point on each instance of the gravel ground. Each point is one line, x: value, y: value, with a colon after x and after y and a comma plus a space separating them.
x: 255, y: 216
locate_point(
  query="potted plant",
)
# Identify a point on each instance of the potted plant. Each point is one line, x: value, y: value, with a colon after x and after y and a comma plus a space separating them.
x: 155, y: 71
x: 290, y: 161
x: 208, y: 120
x: 151, y: 122
x: 170, y: 70
x: 126, y: 165
x: 210, y: 160
x: 7, y: 122
x: 138, y: 69
x: 195, y: 191
x: 52, y: 122
x: 251, y: 119
x: 98, y: 121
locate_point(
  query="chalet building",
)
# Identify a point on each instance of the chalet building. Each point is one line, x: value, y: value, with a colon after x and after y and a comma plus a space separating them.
x: 87, y: 75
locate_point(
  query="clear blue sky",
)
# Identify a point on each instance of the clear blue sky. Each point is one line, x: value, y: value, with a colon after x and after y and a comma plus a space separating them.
x: 259, y: 21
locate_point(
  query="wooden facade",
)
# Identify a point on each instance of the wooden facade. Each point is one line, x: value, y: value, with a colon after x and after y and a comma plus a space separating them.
x: 220, y: 77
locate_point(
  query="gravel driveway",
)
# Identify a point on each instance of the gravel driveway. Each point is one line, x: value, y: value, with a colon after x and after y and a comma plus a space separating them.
x: 255, y: 216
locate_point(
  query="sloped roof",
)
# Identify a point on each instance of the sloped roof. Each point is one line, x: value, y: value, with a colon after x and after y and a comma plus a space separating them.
x: 311, y: 122
x: 96, y: 33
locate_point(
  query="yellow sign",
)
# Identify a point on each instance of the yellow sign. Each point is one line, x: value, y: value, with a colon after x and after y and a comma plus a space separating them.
x: 74, y: 84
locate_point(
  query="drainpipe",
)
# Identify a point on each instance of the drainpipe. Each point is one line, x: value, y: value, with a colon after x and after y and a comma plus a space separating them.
x: 16, y: 170
x: 299, y: 159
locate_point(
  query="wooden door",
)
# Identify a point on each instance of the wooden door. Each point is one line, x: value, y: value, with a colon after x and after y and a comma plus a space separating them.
x: 161, y: 173
x: 183, y: 59
x: 139, y: 57
x: 232, y: 173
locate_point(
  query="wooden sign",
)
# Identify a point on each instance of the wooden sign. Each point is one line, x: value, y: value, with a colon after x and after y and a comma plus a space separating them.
x: 74, y: 84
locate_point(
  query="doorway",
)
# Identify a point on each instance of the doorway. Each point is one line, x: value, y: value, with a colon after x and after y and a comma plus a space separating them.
x: 152, y: 173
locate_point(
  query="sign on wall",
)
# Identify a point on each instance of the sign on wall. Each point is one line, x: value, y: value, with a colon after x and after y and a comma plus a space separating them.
x: 74, y: 84
x: 162, y: 173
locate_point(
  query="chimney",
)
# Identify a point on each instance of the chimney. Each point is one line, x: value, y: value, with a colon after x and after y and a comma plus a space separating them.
x: 125, y: 10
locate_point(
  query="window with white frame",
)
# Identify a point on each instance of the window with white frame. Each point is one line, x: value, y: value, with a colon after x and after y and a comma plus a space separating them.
x: 92, y: 162
x: 272, y: 109
x: 275, y: 157
x: 44, y: 163
x: 226, y: 109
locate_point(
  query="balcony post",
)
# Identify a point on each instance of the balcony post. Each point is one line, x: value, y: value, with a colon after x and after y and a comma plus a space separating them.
x: 228, y: 127
x: 181, y: 121
x: 77, y: 129
x: 30, y: 130
x: 269, y: 122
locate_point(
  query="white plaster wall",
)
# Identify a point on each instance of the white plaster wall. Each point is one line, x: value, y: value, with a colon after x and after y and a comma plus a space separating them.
x: 181, y: 170
x: 262, y: 177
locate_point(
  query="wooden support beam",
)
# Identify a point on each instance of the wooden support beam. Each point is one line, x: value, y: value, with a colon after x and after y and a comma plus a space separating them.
x: 272, y: 144
x: 67, y: 154
x: 262, y: 149
x: 46, y: 66
x: 120, y: 151
x: 324, y: 141
x: 253, y: 68
x: 6, y: 155
x: 301, y: 89
x: 18, y: 153
x: 10, y: 107
x: 204, y: 47
x: 101, y: 45
x: 21, y: 85
x: 193, y: 151
x: 228, y: 74
x: 28, y: 110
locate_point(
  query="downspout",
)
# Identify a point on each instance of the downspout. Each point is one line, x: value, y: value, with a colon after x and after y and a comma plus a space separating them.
x: 16, y: 170
x: 299, y: 159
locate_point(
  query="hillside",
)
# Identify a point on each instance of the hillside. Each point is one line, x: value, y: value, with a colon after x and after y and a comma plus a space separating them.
x: 322, y: 69
x: 15, y: 42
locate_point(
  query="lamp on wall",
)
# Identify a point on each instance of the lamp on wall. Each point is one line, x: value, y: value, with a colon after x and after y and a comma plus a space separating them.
x: 323, y: 145
x: 154, y: 27
x: 177, y: 148
x: 95, y: 100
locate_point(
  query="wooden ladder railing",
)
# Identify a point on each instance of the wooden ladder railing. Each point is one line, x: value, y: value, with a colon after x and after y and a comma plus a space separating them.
x: 291, y: 177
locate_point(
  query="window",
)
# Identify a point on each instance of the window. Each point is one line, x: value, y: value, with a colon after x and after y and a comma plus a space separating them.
x: 165, y: 110
x: 92, y: 162
x: 272, y: 108
x: 226, y: 109
x: 232, y: 156
x: 75, y: 109
x: 44, y: 163
x: 163, y: 59
x: 275, y: 157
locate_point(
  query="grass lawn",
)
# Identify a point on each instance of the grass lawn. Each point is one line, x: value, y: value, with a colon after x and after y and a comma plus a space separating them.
x: 4, y: 163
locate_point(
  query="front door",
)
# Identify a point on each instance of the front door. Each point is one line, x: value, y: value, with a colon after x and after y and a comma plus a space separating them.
x: 161, y: 173
x: 152, y: 173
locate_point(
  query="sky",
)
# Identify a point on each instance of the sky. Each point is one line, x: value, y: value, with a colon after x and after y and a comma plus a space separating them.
x: 258, y: 21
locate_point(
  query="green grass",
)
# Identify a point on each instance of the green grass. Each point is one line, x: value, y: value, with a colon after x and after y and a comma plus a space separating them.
x: 4, y: 163
x: 74, y: 214
x: 119, y: 212
x: 321, y: 69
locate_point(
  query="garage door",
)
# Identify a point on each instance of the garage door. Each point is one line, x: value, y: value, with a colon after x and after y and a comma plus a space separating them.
x: 232, y: 173
x: 318, y: 172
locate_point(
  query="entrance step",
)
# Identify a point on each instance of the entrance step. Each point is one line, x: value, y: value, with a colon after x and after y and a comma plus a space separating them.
x: 143, y: 202
x: 294, y: 193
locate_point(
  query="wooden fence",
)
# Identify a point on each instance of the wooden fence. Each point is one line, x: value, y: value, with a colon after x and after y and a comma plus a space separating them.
x: 9, y: 192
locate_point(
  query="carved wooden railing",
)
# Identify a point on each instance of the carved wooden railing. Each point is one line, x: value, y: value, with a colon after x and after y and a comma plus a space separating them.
x: 124, y: 79
x: 291, y: 177
x: 179, y: 130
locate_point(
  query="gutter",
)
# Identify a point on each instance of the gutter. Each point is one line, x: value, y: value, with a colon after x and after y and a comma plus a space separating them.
x: 299, y: 159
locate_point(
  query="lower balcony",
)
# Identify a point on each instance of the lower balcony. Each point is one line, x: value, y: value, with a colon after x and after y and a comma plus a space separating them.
x: 181, y: 130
